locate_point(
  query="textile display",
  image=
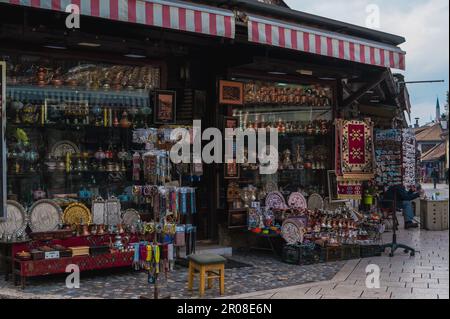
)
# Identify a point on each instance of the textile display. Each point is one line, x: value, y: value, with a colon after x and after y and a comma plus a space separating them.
x: 356, y: 158
x: 349, y: 189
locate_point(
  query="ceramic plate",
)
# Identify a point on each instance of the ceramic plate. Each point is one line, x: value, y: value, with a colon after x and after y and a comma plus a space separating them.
x: 315, y: 201
x: 62, y: 148
x: 297, y: 201
x: 16, y: 221
x: 45, y: 215
x: 293, y: 231
x: 275, y: 200
x: 131, y: 217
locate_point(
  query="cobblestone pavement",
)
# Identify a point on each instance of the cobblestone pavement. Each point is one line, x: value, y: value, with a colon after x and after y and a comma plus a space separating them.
x: 267, y: 273
x: 425, y: 276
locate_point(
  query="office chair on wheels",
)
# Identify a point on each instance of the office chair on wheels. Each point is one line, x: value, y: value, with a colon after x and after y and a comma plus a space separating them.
x: 389, y: 210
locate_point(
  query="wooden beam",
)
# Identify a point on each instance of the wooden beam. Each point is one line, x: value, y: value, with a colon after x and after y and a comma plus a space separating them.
x: 362, y: 91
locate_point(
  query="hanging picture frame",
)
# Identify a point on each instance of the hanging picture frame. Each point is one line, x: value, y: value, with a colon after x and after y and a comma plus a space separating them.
x: 232, y: 170
x: 231, y: 92
x: 165, y: 107
x: 333, y: 188
x: 230, y: 122
x: 3, y: 189
x: 99, y: 211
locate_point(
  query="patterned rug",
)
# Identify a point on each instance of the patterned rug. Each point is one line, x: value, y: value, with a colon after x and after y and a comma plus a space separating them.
x: 354, y: 156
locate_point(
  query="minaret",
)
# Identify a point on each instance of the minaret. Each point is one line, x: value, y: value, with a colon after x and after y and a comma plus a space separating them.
x: 438, y: 111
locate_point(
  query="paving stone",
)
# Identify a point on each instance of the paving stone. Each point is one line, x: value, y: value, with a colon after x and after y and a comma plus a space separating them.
x: 266, y: 273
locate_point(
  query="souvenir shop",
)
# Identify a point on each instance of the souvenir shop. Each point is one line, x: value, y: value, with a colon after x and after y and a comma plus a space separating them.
x: 88, y: 119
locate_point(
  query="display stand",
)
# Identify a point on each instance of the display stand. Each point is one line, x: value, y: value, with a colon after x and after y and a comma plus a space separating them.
x: 392, y: 212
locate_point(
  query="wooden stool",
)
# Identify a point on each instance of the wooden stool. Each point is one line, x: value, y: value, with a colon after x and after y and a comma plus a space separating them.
x: 209, y: 267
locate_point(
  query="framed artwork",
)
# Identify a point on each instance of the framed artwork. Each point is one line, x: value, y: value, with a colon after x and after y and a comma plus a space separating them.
x: 231, y: 93
x: 165, y: 107
x: 3, y: 190
x: 232, y: 170
x: 333, y: 188
x: 231, y: 122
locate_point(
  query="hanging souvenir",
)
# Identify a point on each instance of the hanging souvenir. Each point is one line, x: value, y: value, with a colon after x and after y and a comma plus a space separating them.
x: 136, y: 166
x: 113, y: 211
x: 99, y: 211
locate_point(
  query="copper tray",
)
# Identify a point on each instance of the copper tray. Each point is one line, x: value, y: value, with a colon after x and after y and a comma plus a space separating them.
x: 77, y: 214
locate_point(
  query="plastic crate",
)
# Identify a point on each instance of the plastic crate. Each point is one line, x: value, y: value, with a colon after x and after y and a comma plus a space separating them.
x: 310, y: 255
x: 368, y: 251
x: 291, y: 254
x: 350, y: 252
x: 332, y: 253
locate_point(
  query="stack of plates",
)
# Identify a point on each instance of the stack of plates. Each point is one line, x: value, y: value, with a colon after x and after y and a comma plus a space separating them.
x: 79, y: 251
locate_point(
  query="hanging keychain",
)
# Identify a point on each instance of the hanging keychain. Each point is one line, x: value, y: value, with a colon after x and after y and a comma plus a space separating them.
x: 157, y: 252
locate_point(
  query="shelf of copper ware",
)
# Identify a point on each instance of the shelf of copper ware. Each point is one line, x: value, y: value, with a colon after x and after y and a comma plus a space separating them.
x: 33, y: 174
x: 80, y: 92
x: 61, y: 126
x: 293, y: 107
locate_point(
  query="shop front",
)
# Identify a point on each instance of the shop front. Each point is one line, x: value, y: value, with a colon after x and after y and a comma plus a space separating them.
x: 88, y: 117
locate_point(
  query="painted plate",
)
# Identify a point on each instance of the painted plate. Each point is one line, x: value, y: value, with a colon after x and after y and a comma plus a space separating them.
x: 293, y: 231
x: 275, y: 200
x: 297, y: 201
x: 131, y: 217
x: 77, y: 214
x: 16, y: 221
x: 62, y: 148
x: 315, y: 202
x: 271, y: 187
x: 45, y: 215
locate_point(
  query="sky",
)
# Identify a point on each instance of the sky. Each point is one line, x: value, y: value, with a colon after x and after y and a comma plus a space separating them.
x: 424, y: 24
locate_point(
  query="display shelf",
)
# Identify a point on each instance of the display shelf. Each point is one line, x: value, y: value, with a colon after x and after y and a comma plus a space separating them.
x: 63, y: 126
x: 111, y: 97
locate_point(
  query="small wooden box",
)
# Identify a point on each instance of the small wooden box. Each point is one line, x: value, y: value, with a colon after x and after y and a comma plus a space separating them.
x: 37, y: 254
x: 80, y: 251
x: 99, y: 250
x: 434, y: 215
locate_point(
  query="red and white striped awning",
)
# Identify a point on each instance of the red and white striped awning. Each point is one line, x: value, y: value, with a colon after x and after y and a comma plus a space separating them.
x: 176, y: 15
x: 315, y: 41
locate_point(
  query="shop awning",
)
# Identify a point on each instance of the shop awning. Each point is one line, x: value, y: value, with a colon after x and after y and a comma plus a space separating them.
x: 331, y: 44
x: 175, y: 15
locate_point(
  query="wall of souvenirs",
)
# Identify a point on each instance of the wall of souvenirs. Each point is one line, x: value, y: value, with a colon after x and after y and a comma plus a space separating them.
x: 302, y: 115
x: 395, y: 152
x: 88, y: 166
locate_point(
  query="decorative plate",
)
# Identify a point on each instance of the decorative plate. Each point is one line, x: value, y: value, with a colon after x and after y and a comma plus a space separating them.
x: 62, y: 148
x: 297, y: 201
x: 275, y: 200
x: 45, y: 215
x: 271, y: 187
x: 315, y: 201
x: 77, y: 214
x: 99, y: 211
x: 293, y: 231
x: 16, y: 221
x: 131, y: 217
